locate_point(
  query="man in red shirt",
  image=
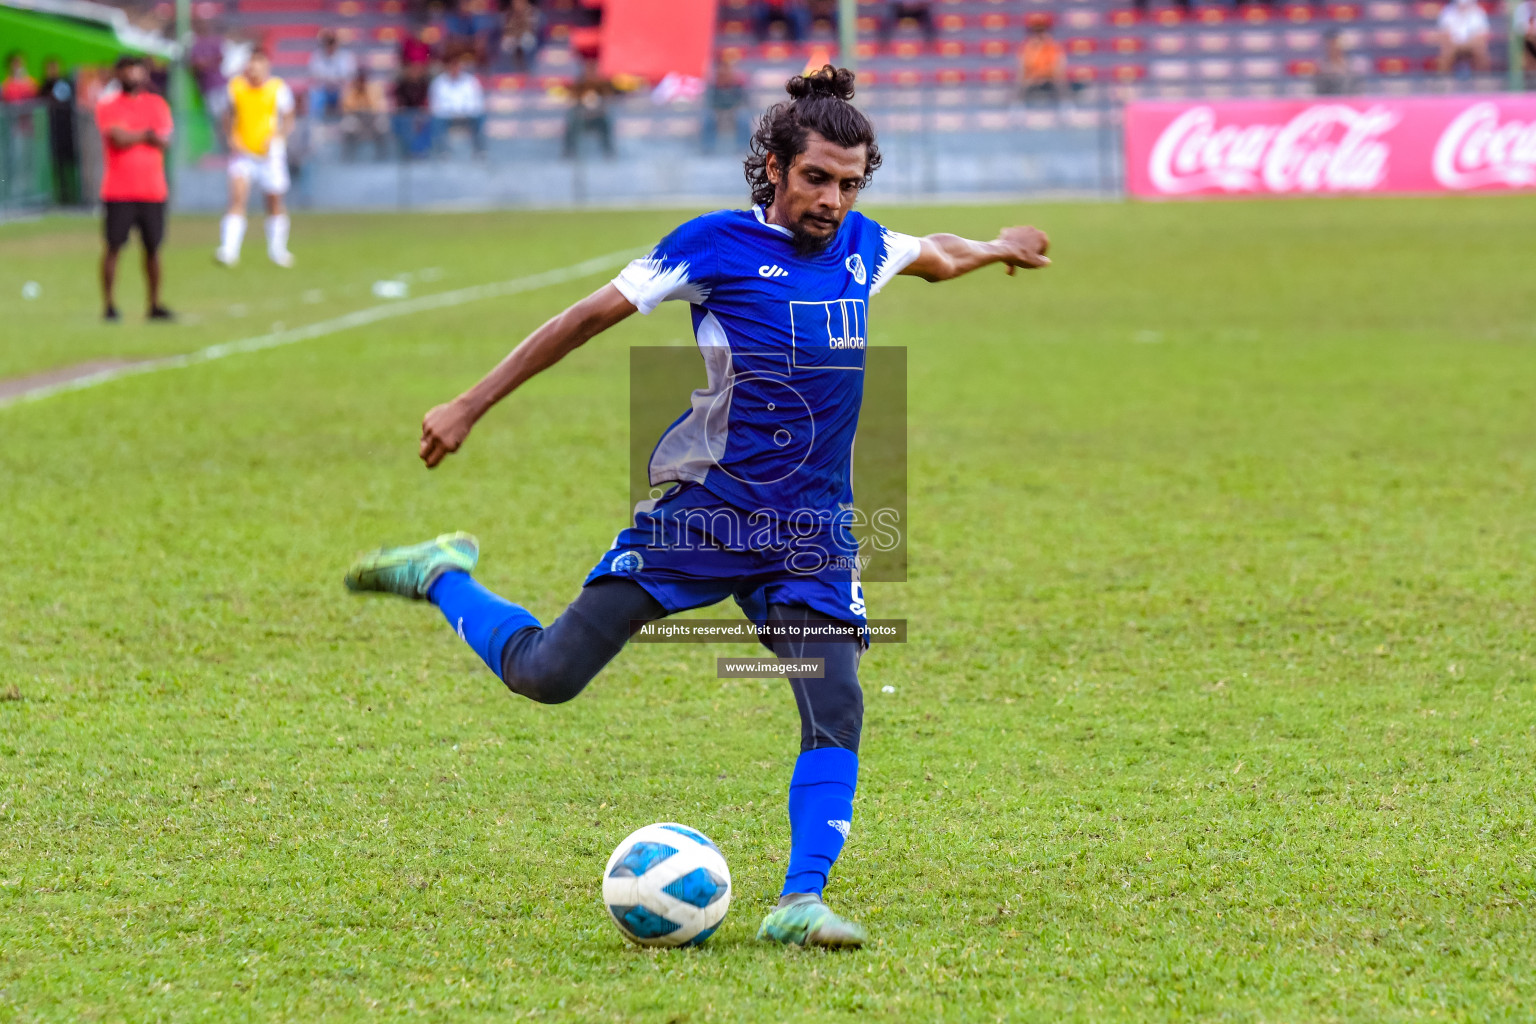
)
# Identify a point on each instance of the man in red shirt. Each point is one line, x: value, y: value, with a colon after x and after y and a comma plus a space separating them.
x: 135, y: 131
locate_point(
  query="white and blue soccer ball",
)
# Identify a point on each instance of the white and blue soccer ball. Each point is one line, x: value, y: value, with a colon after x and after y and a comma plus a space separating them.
x: 667, y: 885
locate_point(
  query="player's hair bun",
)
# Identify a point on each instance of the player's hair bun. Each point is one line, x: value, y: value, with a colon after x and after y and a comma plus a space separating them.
x: 828, y: 81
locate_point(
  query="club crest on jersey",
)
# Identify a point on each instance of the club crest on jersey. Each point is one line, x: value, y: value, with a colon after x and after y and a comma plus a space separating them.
x: 855, y: 264
x: 629, y: 561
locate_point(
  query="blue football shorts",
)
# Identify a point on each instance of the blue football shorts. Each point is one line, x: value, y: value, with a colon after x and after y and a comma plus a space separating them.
x: 689, y: 549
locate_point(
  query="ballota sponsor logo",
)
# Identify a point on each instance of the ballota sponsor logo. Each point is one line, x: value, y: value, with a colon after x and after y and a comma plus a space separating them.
x: 1425, y: 144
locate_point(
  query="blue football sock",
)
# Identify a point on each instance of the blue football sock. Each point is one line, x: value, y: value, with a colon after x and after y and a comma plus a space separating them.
x: 483, y: 620
x: 820, y: 815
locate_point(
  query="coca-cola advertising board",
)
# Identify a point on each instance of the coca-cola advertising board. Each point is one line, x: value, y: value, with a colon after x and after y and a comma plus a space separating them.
x: 1354, y: 144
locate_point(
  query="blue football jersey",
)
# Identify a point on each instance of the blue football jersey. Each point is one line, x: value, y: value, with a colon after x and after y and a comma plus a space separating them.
x: 783, y: 339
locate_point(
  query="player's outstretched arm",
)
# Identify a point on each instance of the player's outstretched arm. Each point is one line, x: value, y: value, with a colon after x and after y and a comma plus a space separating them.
x: 945, y: 257
x: 444, y: 429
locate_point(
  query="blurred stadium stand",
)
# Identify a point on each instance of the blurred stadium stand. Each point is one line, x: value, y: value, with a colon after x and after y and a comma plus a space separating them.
x: 1211, y: 50
x: 949, y: 112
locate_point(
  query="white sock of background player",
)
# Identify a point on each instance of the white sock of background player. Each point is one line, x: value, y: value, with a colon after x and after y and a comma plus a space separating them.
x: 231, y: 234
x: 277, y: 234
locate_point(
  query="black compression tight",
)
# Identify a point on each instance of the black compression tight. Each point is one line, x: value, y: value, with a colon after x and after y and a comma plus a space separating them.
x: 554, y: 663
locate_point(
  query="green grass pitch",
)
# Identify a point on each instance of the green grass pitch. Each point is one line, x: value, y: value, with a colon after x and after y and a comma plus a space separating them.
x: 1218, y: 703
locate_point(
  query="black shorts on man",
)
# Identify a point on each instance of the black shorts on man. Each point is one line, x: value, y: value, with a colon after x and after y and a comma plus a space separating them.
x: 123, y: 216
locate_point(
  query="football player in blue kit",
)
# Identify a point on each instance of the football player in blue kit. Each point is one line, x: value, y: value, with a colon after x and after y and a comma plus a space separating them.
x: 759, y: 466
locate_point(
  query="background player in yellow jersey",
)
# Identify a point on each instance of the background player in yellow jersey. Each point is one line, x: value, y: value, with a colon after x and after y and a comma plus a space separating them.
x: 257, y: 125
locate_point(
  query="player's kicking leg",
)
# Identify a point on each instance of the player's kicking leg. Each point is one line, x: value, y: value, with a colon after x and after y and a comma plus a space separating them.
x: 549, y: 664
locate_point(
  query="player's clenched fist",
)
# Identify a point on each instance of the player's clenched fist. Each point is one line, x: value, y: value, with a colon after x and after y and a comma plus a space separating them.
x: 1024, y: 247
x: 443, y: 430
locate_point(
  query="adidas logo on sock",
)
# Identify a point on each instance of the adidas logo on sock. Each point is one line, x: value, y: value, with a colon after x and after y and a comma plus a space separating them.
x: 843, y: 827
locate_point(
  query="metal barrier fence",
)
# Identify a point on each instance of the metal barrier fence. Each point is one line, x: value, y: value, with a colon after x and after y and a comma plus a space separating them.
x: 939, y: 144
x: 26, y: 172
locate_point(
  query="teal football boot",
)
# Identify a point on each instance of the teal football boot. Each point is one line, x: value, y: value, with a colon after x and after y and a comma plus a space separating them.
x: 411, y: 571
x: 801, y: 919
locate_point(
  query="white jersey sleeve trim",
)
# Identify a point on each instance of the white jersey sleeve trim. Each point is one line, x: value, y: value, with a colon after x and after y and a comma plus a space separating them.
x: 899, y: 253
x: 648, y: 282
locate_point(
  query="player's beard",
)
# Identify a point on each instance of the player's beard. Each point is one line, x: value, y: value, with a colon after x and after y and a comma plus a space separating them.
x: 807, y: 244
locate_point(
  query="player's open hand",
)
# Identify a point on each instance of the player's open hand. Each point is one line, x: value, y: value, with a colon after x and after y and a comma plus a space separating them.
x: 443, y: 430
x: 1024, y: 247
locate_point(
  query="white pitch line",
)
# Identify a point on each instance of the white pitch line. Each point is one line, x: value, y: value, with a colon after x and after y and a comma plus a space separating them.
x: 321, y: 328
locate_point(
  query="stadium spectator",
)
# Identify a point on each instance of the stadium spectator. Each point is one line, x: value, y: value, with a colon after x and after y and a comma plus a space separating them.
x: 1524, y: 26
x: 298, y: 148
x: 471, y: 26
x: 457, y: 100
x: 330, y: 69
x: 364, y: 115
x: 792, y: 14
x: 412, y: 120
x: 58, y: 91
x: 819, y: 11
x: 1463, y: 28
x: 1042, y: 64
x: 919, y: 11
x: 18, y: 86
x: 1333, y: 76
x: 521, y: 34
x: 726, y: 103
x: 485, y: 25
x: 135, y: 129
x: 207, y: 62
x: 414, y: 49
x: 589, y: 109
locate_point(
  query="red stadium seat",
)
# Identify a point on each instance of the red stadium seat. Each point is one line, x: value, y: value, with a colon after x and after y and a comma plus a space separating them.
x: 950, y: 76
x: 1169, y: 16
x: 1301, y: 68
x: 1123, y: 19
x: 1255, y: 15
x: 281, y: 6
x: 996, y: 76
x: 1392, y: 65
x: 1298, y: 14
x: 1344, y: 12
x: 1128, y: 44
x: 1212, y: 16
x: 1130, y: 72
x: 1081, y: 45
x: 995, y: 48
